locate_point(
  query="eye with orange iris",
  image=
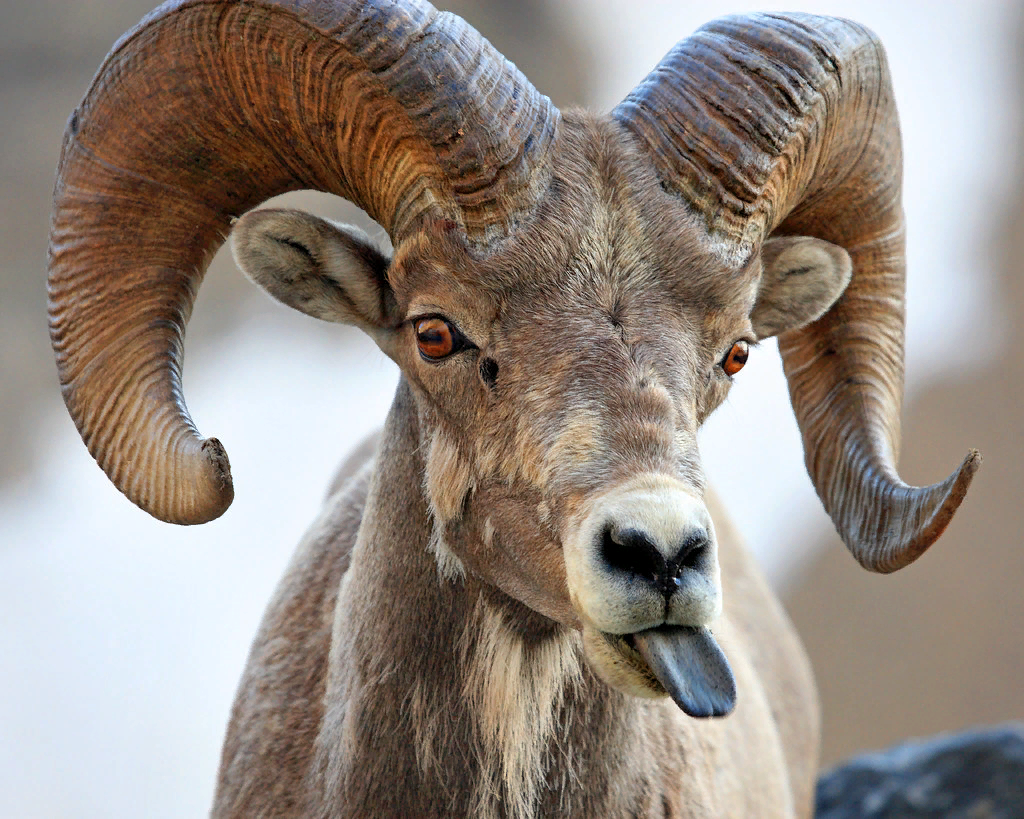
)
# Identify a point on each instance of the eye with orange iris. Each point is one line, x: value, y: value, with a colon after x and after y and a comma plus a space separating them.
x: 438, y: 338
x: 736, y: 358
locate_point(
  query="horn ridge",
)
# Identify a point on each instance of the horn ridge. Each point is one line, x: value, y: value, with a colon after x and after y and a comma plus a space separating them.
x: 728, y: 111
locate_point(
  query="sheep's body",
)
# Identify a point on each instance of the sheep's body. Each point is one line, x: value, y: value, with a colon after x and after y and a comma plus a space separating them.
x: 427, y: 687
x: 413, y: 728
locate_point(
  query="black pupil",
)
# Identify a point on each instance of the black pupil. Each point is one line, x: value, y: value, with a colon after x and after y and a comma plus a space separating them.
x: 437, y: 339
x: 432, y: 336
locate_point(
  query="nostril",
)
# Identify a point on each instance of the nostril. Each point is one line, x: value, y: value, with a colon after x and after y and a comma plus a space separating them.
x: 692, y: 554
x: 630, y: 550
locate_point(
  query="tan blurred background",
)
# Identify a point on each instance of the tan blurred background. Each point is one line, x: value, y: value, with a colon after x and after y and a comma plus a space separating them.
x: 122, y: 638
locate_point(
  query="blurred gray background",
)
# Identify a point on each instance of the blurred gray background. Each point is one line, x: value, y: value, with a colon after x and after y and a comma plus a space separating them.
x: 122, y: 638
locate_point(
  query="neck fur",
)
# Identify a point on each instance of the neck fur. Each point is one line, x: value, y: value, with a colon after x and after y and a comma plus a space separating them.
x: 446, y: 697
x: 517, y: 691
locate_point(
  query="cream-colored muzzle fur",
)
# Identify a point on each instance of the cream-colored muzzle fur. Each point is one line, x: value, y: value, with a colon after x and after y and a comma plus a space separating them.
x: 644, y: 555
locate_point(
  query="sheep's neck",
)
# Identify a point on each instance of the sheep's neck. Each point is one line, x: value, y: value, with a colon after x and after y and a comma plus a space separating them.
x: 453, y: 699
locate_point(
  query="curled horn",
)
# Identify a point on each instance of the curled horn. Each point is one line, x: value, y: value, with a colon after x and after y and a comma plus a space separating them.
x: 206, y: 109
x: 786, y: 124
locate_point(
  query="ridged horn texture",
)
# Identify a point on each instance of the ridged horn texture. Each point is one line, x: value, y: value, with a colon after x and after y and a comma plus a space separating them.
x: 787, y: 124
x: 206, y: 109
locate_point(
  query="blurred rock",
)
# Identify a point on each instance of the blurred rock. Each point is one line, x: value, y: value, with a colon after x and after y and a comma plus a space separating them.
x: 974, y: 775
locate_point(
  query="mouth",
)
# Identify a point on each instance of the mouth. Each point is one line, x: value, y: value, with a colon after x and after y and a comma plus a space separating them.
x: 686, y: 663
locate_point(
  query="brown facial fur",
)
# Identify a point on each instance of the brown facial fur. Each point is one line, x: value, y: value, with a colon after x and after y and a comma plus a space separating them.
x: 606, y: 337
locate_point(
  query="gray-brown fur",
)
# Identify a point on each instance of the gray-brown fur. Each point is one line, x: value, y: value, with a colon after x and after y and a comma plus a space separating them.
x: 615, y: 323
x: 612, y: 755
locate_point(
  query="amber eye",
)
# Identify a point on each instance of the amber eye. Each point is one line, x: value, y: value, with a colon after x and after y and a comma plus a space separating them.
x: 736, y: 358
x: 438, y: 338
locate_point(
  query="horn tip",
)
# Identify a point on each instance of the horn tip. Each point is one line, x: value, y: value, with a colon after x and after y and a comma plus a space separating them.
x: 221, y: 488
x: 944, y: 499
x: 211, y: 494
x: 958, y: 484
x: 970, y: 465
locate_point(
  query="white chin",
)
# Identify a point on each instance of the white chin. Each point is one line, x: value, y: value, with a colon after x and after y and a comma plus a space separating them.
x: 619, y: 665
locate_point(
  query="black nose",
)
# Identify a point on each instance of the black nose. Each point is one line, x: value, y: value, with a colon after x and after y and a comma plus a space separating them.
x: 634, y: 552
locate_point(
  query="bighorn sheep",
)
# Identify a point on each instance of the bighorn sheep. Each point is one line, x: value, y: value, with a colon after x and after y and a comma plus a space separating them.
x: 488, y: 613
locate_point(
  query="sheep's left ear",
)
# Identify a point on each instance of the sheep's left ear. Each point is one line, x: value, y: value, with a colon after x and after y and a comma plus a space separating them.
x: 325, y: 270
x: 802, y: 279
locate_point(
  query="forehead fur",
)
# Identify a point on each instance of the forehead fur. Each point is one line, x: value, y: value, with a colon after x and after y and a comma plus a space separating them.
x: 603, y: 313
x: 605, y: 225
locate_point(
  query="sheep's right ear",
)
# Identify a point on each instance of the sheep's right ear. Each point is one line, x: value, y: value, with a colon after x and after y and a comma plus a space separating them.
x: 325, y: 270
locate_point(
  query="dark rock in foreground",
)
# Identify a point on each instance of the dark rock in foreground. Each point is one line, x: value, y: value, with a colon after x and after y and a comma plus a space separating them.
x: 974, y: 775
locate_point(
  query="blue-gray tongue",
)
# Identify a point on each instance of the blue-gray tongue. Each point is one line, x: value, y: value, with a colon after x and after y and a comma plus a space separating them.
x: 691, y: 667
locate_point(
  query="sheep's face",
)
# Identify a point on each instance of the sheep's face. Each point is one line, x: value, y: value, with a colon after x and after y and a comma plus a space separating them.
x: 559, y: 383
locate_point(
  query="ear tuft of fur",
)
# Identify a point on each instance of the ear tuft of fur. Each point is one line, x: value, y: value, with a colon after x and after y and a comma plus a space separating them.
x: 329, y: 271
x: 803, y: 277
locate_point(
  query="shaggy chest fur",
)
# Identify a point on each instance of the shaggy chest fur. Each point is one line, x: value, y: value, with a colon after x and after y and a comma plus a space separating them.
x: 476, y: 706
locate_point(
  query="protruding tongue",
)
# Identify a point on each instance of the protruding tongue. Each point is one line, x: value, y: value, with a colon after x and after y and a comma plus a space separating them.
x: 692, y: 668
